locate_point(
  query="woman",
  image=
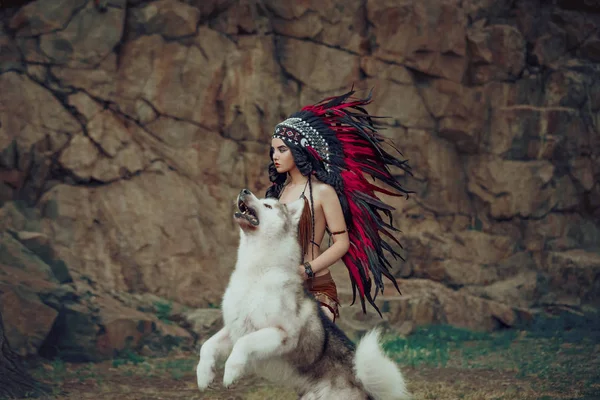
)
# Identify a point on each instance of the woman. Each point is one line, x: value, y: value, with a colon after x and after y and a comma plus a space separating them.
x: 321, y: 154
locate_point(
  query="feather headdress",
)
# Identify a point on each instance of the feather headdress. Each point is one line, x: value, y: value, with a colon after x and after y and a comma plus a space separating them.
x: 343, y: 146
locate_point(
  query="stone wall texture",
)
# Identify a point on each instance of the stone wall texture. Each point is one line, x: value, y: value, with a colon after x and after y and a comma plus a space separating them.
x: 127, y: 127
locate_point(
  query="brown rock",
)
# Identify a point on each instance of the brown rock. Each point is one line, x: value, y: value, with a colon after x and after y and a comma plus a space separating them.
x: 529, y: 132
x: 169, y: 18
x: 10, y: 58
x: 455, y: 258
x: 484, y: 9
x: 30, y: 113
x: 68, y: 45
x: 109, y: 132
x: 342, y: 67
x: 550, y: 47
x: 456, y: 273
x: 516, y: 133
x: 30, y: 50
x: 499, y: 95
x: 567, y: 88
x: 130, y: 237
x: 405, y: 328
x: 577, y: 26
x: 26, y: 319
x: 580, y: 5
x: 100, y: 82
x: 559, y: 232
x: 428, y: 36
x: 25, y: 279
x: 575, y: 137
x: 99, y: 327
x: 204, y: 322
x: 424, y: 302
x: 514, y: 188
x: 252, y: 86
x: 12, y: 218
x: 324, y: 22
x: 355, y: 323
x: 591, y: 48
x: 39, y: 17
x: 122, y: 328
x: 247, y: 17
x: 574, y: 276
x: 403, y: 104
x: 81, y: 154
x: 482, y: 247
x: 373, y: 67
x: 14, y: 254
x: 522, y: 291
x: 516, y: 264
x: 40, y: 245
x: 175, y: 133
x: 87, y: 159
x: 182, y: 83
x: 459, y: 110
x: 288, y: 10
x: 436, y: 162
x: 497, y: 52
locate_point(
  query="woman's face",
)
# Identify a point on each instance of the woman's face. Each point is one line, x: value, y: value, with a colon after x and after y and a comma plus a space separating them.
x: 282, y: 156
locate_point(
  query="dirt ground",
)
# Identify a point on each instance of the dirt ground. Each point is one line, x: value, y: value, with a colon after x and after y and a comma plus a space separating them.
x: 557, y: 357
x: 173, y: 378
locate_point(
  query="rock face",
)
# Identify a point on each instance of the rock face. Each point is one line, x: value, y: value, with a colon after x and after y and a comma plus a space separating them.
x: 50, y: 311
x: 129, y: 127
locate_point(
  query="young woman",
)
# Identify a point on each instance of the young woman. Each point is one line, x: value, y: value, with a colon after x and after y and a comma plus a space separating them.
x: 322, y: 153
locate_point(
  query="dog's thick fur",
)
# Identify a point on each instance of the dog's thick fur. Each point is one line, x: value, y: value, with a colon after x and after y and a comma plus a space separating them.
x: 275, y: 329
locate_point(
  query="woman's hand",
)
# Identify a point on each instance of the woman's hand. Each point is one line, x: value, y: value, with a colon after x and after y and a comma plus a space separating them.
x: 302, y: 272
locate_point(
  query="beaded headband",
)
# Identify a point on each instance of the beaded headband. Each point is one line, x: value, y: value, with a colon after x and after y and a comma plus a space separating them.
x: 299, y: 132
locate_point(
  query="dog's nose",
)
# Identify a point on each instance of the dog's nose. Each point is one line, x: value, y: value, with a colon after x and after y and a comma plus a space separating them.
x: 245, y: 192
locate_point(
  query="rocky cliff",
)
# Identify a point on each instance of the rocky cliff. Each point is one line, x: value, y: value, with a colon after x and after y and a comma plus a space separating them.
x: 128, y: 127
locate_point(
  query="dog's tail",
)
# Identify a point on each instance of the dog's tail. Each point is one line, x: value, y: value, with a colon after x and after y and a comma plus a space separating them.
x: 379, y: 375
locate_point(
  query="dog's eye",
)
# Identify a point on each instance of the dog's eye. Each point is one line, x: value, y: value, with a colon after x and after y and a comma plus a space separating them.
x: 268, y: 206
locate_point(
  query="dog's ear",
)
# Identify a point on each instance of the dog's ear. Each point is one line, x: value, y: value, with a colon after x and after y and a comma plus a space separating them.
x: 295, y: 209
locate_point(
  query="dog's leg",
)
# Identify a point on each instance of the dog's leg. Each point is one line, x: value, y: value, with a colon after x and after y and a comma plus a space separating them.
x: 218, y: 345
x: 257, y: 345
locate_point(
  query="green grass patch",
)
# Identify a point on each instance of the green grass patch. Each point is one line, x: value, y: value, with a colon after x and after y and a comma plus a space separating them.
x: 437, y: 345
x: 559, y: 350
x: 178, y: 368
x: 164, y: 310
x: 127, y: 356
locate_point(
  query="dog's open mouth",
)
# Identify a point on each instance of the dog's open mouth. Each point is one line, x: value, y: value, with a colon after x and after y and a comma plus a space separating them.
x: 246, y: 212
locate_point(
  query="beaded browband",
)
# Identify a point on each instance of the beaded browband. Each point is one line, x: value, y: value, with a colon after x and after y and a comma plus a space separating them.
x: 297, y: 131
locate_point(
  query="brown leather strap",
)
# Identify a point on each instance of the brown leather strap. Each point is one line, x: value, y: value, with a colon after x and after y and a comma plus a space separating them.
x: 339, y: 232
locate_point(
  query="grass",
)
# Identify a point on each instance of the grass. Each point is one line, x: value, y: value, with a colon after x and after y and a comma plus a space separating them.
x: 163, y: 311
x: 552, y: 358
x: 559, y: 354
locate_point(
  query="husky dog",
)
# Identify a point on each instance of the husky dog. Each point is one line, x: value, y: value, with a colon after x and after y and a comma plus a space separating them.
x: 275, y: 329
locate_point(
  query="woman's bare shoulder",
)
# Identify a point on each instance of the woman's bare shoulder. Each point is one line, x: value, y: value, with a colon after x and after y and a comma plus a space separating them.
x: 323, y: 190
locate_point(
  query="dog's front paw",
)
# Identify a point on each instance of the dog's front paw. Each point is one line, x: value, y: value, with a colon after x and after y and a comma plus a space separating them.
x: 204, y: 374
x: 234, y: 368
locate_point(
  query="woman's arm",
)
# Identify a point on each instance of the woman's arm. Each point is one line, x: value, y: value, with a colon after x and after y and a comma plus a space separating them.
x: 334, y: 219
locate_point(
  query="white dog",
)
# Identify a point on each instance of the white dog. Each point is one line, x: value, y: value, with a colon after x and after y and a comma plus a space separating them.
x: 275, y: 329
